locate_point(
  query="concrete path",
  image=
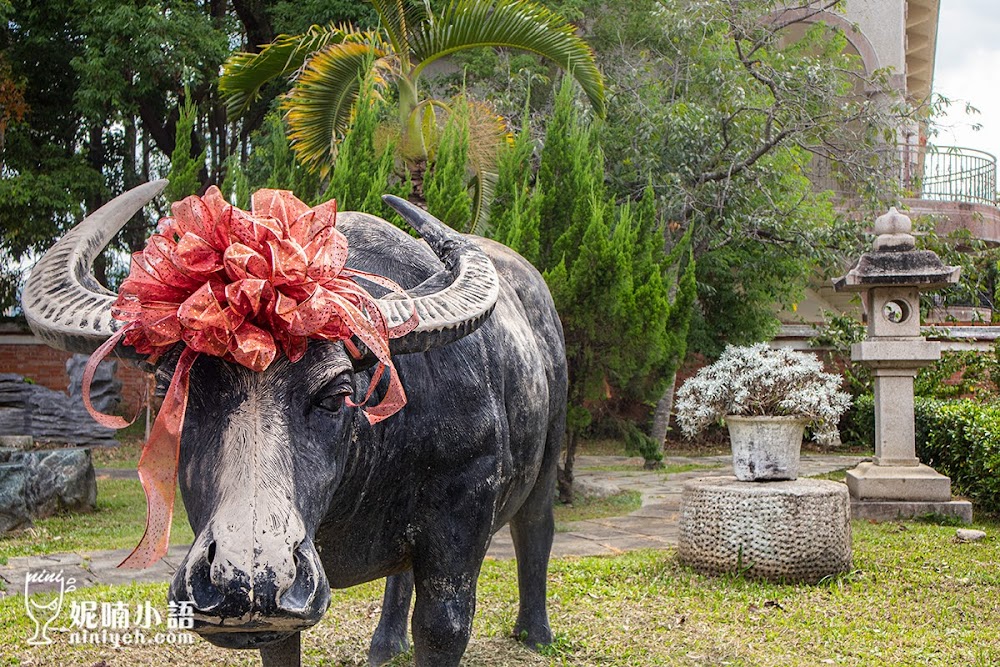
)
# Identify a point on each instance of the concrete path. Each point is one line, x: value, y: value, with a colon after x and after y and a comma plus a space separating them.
x: 652, y: 526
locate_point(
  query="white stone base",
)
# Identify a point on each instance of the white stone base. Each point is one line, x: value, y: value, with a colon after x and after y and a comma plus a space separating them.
x: 894, y: 510
x: 907, y: 483
x: 794, y: 531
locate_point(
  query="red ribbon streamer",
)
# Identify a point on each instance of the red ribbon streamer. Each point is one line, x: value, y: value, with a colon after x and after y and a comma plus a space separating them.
x: 243, y: 286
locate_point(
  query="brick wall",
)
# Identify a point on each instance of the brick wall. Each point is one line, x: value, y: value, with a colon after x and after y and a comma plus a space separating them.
x: 47, y: 367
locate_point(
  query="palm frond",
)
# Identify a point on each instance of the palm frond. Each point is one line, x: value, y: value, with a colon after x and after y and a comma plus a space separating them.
x: 245, y: 74
x: 399, y: 19
x: 517, y: 24
x: 320, y: 103
x: 485, y: 192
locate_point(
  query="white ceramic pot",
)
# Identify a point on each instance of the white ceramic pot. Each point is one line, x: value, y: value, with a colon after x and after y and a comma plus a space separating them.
x: 765, y: 448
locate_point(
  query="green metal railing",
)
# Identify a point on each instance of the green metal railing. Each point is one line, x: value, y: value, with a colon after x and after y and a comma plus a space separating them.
x: 939, y: 173
x: 949, y: 173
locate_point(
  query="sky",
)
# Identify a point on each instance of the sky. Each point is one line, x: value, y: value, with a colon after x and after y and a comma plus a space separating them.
x: 967, y: 70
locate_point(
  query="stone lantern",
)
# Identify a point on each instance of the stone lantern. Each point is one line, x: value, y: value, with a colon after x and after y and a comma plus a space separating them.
x: 890, y: 278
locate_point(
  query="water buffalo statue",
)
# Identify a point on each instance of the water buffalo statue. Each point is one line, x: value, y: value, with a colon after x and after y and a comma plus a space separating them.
x: 290, y: 491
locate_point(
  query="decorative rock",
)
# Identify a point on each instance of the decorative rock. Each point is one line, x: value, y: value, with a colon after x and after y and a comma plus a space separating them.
x: 795, y: 531
x: 105, y: 389
x: 64, y: 480
x: 40, y: 483
x: 969, y: 535
x: 13, y: 508
x: 595, y: 488
x: 48, y: 415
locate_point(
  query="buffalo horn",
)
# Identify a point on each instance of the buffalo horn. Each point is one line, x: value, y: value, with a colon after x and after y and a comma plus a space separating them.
x: 64, y: 304
x: 454, y: 309
x: 68, y: 309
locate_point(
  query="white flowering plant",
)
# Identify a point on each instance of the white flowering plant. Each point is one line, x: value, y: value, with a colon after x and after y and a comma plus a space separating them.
x: 758, y: 380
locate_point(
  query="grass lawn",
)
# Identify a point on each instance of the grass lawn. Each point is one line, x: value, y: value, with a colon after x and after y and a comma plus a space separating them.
x: 126, y: 454
x: 916, y: 597
x: 117, y: 523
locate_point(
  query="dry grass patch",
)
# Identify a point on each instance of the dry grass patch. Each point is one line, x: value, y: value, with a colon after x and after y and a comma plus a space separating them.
x: 916, y: 597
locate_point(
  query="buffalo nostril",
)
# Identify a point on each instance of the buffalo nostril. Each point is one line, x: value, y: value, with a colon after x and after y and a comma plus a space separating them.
x: 211, y: 552
x: 300, y: 598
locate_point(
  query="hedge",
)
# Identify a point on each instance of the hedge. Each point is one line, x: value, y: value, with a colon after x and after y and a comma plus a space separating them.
x: 959, y: 438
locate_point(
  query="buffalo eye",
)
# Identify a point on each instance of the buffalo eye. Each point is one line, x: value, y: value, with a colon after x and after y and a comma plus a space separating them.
x: 331, y: 398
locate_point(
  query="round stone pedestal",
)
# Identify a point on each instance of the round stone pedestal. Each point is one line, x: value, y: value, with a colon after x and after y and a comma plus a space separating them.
x: 795, y: 531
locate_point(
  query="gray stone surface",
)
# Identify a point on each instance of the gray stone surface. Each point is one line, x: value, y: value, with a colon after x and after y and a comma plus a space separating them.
x: 794, y: 531
x: 105, y: 388
x: 13, y: 504
x: 870, y: 481
x: 895, y: 510
x: 48, y: 415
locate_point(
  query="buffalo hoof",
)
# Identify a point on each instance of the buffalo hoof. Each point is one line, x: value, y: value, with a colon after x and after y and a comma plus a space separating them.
x: 382, y: 652
x: 534, y: 638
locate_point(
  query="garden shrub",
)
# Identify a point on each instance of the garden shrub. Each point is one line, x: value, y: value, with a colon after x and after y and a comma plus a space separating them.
x: 961, y: 439
x: 958, y: 438
x: 857, y: 425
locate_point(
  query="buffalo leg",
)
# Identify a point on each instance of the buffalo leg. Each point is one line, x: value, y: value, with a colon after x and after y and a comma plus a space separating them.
x: 442, y: 617
x: 284, y: 653
x: 446, y: 560
x: 531, y: 530
x: 390, y: 637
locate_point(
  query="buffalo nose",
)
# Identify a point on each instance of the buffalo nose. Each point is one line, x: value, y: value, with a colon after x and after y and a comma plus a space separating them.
x: 309, y: 591
x: 287, y: 585
x: 212, y: 583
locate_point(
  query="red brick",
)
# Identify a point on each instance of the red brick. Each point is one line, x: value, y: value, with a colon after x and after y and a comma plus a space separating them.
x: 47, y: 367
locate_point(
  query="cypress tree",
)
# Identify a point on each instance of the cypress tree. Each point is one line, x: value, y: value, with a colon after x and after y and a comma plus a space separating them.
x: 363, y: 169
x: 513, y: 187
x: 446, y: 183
x: 624, y: 302
x: 184, y: 169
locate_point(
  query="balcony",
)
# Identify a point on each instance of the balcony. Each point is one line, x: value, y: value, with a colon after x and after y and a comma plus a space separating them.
x: 948, y: 174
x: 958, y: 186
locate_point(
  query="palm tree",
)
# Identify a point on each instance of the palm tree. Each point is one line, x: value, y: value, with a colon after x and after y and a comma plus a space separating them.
x: 326, y: 64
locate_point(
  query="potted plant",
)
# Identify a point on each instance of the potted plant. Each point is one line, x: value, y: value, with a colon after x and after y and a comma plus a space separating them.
x: 767, y: 397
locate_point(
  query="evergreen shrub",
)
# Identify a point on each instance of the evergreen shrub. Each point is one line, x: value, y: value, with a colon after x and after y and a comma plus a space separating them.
x: 958, y: 438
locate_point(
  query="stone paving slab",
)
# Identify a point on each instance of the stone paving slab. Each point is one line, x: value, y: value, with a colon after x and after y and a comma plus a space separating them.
x: 653, y: 526
x: 88, y: 569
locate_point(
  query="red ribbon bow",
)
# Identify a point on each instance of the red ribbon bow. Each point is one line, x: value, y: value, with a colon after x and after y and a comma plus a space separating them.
x: 242, y: 286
